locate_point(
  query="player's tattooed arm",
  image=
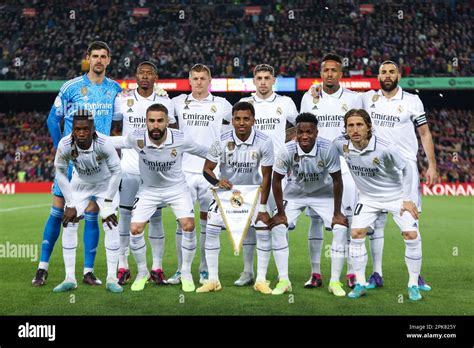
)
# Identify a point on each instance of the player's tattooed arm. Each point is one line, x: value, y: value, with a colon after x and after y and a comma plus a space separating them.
x: 338, y: 217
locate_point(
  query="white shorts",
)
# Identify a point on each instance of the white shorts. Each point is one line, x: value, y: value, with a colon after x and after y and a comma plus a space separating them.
x: 200, y: 189
x: 320, y: 206
x: 416, y: 185
x: 85, y: 193
x: 366, y: 212
x: 149, y: 199
x: 128, y: 189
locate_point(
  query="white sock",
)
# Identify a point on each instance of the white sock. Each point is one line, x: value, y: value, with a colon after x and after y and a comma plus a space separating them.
x: 376, y: 243
x: 338, y: 248
x: 202, y: 243
x: 112, y: 249
x: 264, y: 249
x: 138, y: 248
x: 69, y: 240
x: 249, y: 247
x: 156, y: 235
x: 350, y: 267
x: 358, y: 254
x: 315, y: 243
x: 124, y: 233
x: 43, y: 265
x: 188, y: 249
x: 280, y: 250
x: 213, y: 247
x: 179, y: 239
x: 413, y: 256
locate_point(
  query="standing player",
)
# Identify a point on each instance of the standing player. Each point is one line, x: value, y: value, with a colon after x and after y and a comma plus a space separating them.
x: 129, y: 111
x: 160, y: 151
x: 96, y: 174
x: 395, y: 116
x: 274, y: 113
x: 384, y: 179
x: 200, y: 117
x: 330, y: 104
x: 314, y: 182
x: 96, y: 93
x: 240, y: 153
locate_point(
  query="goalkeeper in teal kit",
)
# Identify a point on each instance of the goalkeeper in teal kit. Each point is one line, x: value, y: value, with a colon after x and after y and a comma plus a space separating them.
x: 96, y: 93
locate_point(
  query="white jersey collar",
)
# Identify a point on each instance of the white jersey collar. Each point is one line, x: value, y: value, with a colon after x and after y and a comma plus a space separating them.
x: 398, y: 96
x: 270, y: 99
x: 209, y: 97
x: 249, y: 140
x: 312, y: 153
x: 168, y: 141
x: 336, y: 94
x: 137, y: 96
x: 370, y: 146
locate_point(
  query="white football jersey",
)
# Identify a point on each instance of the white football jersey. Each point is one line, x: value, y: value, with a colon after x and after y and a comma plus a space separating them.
x: 202, y: 122
x: 99, y: 163
x: 160, y: 166
x: 308, y: 173
x: 330, y: 109
x: 395, y: 119
x: 377, y: 169
x: 271, y: 115
x: 132, y: 111
x: 240, y: 160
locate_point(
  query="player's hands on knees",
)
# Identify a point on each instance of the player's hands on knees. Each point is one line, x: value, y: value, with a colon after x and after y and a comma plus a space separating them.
x: 339, y: 219
x: 111, y: 220
x: 70, y: 215
x: 263, y: 217
x: 410, y: 207
x: 278, y: 219
x: 224, y: 184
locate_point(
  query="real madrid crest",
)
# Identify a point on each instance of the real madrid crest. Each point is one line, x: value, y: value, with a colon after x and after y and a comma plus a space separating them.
x: 174, y: 153
x: 141, y: 143
x: 279, y: 111
x: 237, y: 201
x: 84, y: 90
x: 345, y: 107
x: 400, y: 109
x: 214, y: 109
x: 345, y: 148
x: 130, y: 102
x: 376, y: 161
x: 231, y: 145
x: 320, y: 164
x: 254, y: 155
x: 99, y: 158
x: 375, y: 98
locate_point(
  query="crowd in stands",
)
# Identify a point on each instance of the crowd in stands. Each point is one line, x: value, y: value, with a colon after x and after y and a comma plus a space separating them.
x: 426, y: 38
x: 27, y: 154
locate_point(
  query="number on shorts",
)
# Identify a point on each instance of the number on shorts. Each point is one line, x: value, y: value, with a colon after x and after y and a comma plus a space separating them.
x: 213, y: 206
x: 358, y: 209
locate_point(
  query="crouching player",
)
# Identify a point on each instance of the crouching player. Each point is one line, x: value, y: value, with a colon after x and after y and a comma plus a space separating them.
x: 97, y: 173
x: 240, y: 153
x: 384, y: 181
x: 160, y: 151
x: 314, y: 182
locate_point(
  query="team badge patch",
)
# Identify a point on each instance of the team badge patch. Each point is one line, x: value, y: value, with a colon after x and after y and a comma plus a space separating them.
x: 376, y: 161
x: 254, y: 155
x: 231, y: 145
x: 400, y: 109
x: 375, y: 98
x: 236, y: 200
x: 99, y: 158
x: 214, y: 109
x: 84, y: 90
x: 279, y: 163
x: 320, y: 164
x: 130, y: 102
x: 141, y: 143
x: 174, y: 153
x: 316, y: 100
x: 345, y: 107
x: 279, y: 111
x: 345, y: 148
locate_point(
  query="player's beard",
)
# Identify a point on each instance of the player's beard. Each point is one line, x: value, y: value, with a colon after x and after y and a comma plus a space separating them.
x: 390, y: 87
x: 157, y: 136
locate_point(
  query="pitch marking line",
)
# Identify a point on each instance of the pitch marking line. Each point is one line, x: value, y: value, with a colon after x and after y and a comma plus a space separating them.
x: 24, y: 207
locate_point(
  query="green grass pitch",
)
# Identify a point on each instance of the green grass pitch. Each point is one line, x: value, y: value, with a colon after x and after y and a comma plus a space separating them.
x: 448, y: 254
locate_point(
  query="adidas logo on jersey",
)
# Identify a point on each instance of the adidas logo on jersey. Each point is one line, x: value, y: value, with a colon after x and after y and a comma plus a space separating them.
x: 415, y: 225
x: 130, y: 110
x: 372, y: 106
x: 315, y: 107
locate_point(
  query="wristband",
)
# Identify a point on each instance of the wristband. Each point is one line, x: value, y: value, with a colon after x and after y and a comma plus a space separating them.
x: 262, y: 208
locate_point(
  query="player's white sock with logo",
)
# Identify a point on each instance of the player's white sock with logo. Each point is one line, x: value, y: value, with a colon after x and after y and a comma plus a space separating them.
x: 280, y: 250
x: 179, y: 239
x: 358, y: 254
x: 338, y: 248
x: 249, y: 248
x: 315, y: 243
x: 156, y: 235
x: 413, y: 255
x: 213, y: 247
x: 188, y: 250
x: 202, y: 241
x: 377, y: 242
x: 138, y: 248
x: 112, y: 249
x: 69, y: 241
x: 264, y: 250
x: 124, y: 233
